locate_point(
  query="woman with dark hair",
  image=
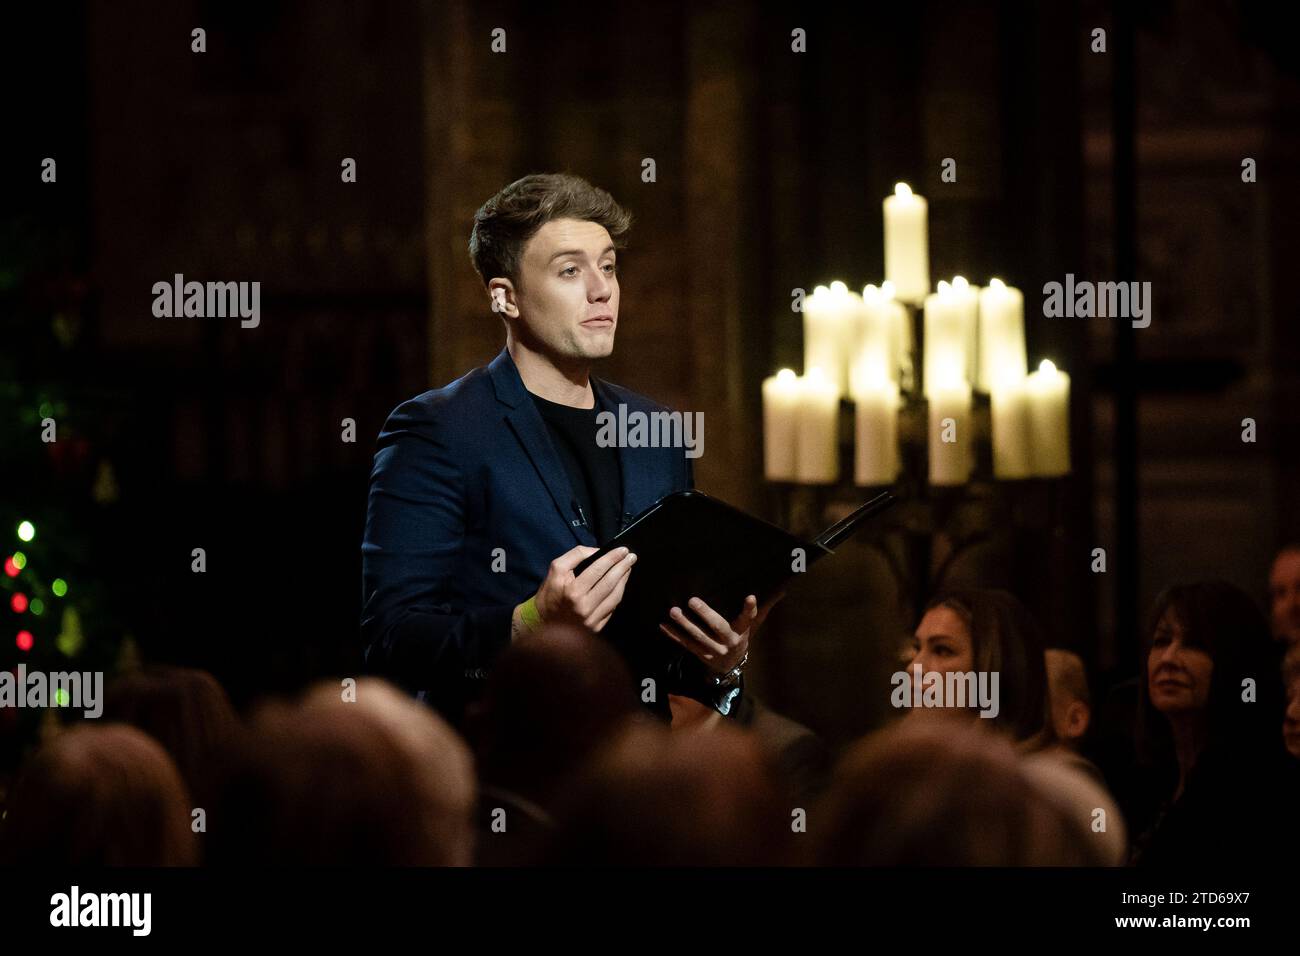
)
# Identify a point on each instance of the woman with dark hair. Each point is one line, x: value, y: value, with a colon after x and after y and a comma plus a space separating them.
x: 990, y: 632
x: 1210, y: 707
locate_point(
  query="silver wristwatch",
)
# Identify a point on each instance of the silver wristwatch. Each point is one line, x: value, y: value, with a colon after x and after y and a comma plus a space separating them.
x: 732, y: 676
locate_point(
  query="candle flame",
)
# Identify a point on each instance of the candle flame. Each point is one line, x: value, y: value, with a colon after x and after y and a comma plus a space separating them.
x: 887, y: 288
x: 902, y: 189
x: 838, y: 287
x: 959, y: 283
x: 786, y: 375
x: 943, y: 287
x: 1047, y: 367
x: 997, y: 283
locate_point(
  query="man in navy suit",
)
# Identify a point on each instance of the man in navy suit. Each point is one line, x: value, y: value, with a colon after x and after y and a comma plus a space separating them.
x: 488, y: 492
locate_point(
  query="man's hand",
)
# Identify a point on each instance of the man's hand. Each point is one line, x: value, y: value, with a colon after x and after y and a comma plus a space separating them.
x: 724, y: 644
x: 588, y: 599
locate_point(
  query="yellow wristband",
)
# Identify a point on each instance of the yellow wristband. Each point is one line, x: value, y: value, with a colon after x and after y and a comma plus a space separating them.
x: 529, y: 615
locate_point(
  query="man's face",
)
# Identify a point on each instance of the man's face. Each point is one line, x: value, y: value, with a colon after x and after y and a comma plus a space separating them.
x: 568, y: 300
x: 1284, y: 595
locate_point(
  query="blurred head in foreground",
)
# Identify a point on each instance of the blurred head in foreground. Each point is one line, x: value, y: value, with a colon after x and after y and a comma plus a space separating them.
x: 185, y: 710
x: 926, y: 793
x: 375, y: 780
x: 654, y: 798
x: 99, y: 795
x: 552, y: 698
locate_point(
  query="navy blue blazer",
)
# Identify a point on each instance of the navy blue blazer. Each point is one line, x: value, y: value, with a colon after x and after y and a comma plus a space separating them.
x: 465, y: 477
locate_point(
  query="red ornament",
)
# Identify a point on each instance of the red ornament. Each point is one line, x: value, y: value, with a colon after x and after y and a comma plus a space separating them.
x: 24, y: 640
x: 18, y: 602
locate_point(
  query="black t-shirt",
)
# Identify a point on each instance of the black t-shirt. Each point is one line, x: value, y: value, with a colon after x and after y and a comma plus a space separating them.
x: 594, y: 472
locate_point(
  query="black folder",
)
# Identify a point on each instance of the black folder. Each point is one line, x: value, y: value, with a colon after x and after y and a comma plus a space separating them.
x: 691, y: 545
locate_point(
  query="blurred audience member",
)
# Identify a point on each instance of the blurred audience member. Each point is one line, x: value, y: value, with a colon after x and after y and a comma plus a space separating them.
x: 99, y: 795
x: 1211, y: 707
x: 360, y: 776
x: 658, y: 798
x: 922, y: 793
x: 1291, y: 681
x: 1070, y: 705
x: 185, y: 710
x: 989, y: 632
x: 800, y: 758
x: 550, y: 701
x: 1076, y: 785
x: 1069, y: 701
x: 1284, y: 594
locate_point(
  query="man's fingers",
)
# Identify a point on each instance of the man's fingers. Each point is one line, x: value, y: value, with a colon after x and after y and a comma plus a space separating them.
x: 602, y: 588
x: 685, y: 627
x: 605, y: 609
x: 573, y: 557
x: 746, y: 616
x: 690, y: 645
x: 588, y: 578
x: 715, y: 621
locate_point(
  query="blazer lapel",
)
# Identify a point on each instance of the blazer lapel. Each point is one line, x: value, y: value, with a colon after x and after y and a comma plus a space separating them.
x: 526, y: 422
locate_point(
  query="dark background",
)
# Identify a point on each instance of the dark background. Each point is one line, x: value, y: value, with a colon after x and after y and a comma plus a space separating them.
x: 771, y: 168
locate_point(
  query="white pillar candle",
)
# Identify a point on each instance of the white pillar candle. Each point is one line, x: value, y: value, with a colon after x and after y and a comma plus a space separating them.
x: 945, y: 339
x: 830, y: 317
x: 907, y: 244
x: 818, y: 461
x: 1001, y: 335
x: 968, y: 308
x: 900, y: 325
x: 875, y: 448
x: 875, y: 351
x: 780, y: 425
x: 950, y: 418
x: 1009, y: 406
x: 1049, y: 420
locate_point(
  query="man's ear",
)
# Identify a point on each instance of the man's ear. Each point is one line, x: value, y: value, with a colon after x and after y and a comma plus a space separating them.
x: 502, y: 295
x: 1077, y: 717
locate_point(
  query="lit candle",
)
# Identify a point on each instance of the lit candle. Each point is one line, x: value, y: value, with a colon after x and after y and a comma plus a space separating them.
x: 900, y: 332
x: 818, y: 461
x: 946, y: 338
x: 875, y: 457
x: 875, y: 351
x: 907, y: 244
x: 1049, y: 420
x: 968, y: 309
x: 950, y: 432
x: 1009, y: 406
x: 1001, y: 335
x: 830, y: 319
x: 780, y: 425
